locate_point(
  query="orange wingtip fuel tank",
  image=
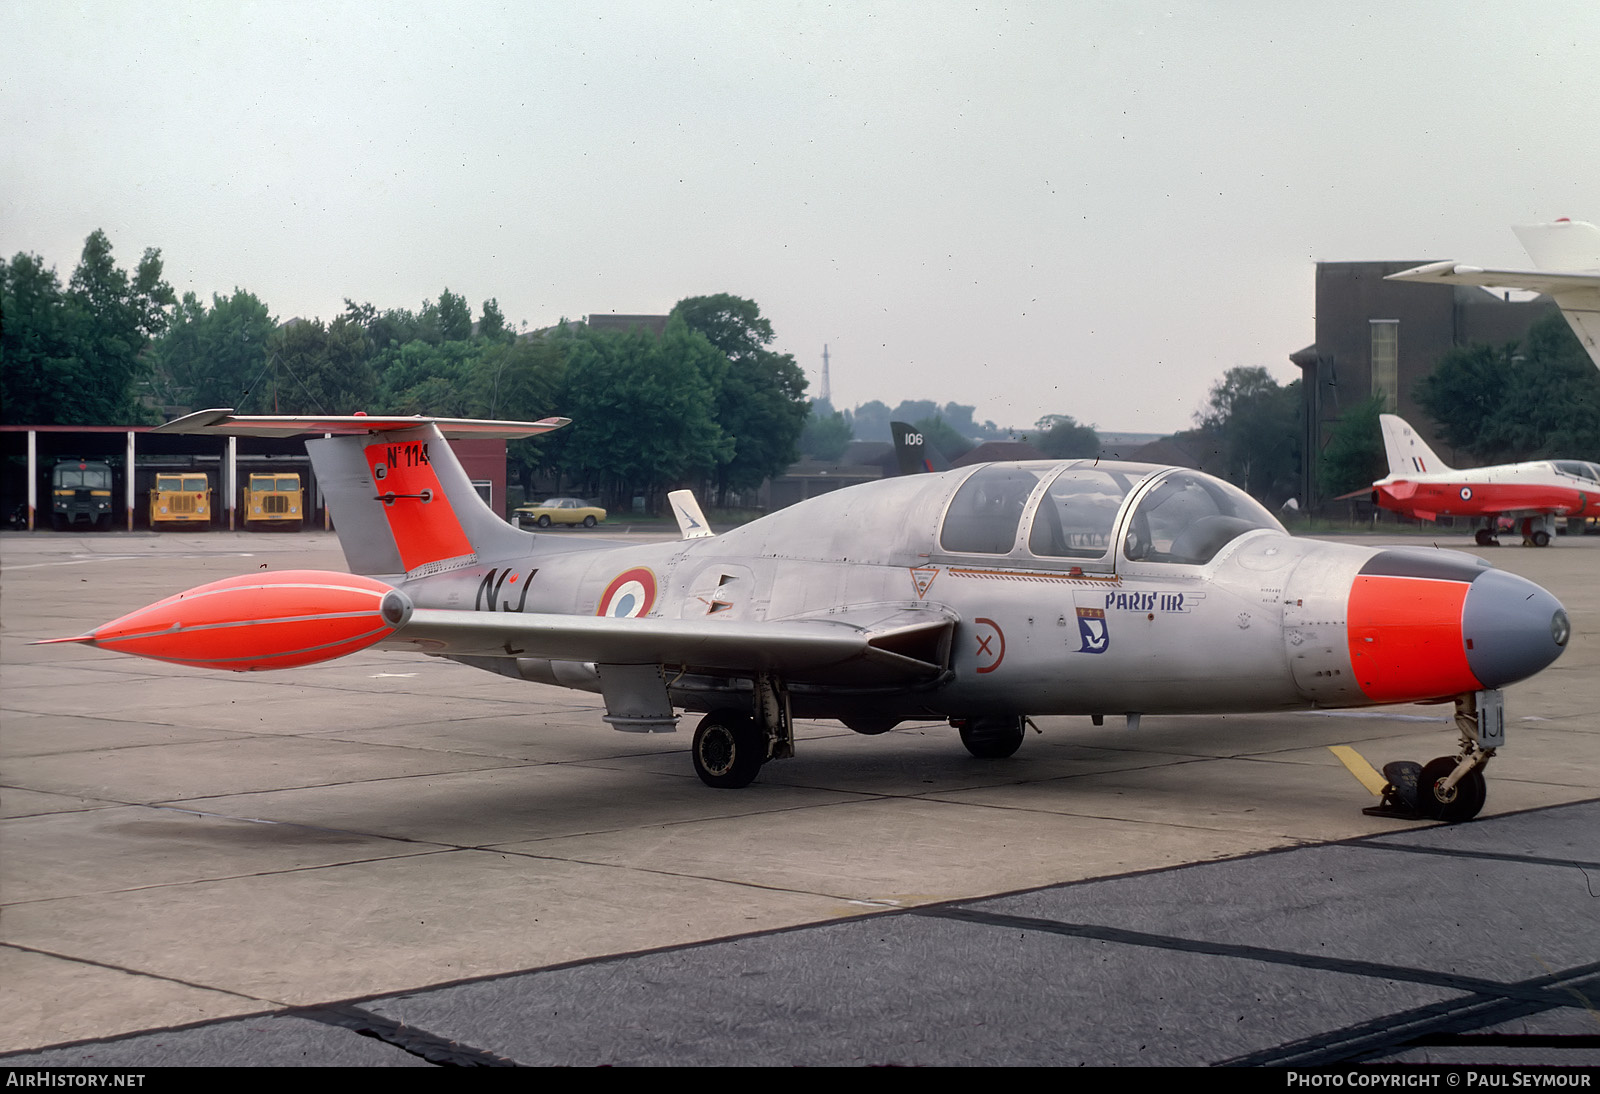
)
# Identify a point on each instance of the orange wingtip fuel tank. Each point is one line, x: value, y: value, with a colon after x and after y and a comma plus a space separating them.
x: 259, y: 621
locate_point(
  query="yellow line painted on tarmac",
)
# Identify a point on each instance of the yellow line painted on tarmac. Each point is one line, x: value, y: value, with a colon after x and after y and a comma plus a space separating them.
x: 1360, y: 768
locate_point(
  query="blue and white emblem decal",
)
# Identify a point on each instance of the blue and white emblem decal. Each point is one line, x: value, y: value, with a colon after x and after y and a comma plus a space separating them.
x: 1092, y: 629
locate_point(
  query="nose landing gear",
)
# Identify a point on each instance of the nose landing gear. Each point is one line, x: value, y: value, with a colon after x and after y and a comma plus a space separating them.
x: 1450, y: 788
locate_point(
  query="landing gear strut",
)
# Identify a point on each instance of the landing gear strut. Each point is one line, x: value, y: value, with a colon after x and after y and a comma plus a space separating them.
x: 1536, y: 531
x: 1450, y: 788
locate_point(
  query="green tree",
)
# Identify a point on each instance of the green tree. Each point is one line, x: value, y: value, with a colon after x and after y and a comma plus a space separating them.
x: 1062, y: 438
x: 826, y: 434
x: 423, y: 378
x: 450, y: 320
x: 216, y: 356
x: 1253, y: 425
x: 318, y: 368
x: 1354, y: 457
x: 1539, y: 397
x: 493, y: 323
x: 78, y: 356
x: 38, y: 353
x: 760, y: 401
x: 643, y: 410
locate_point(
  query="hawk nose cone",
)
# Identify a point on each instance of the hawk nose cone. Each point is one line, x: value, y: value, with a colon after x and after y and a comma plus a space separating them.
x: 1511, y: 627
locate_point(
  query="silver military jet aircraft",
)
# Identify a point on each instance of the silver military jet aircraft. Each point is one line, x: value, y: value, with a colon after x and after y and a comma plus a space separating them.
x: 981, y: 596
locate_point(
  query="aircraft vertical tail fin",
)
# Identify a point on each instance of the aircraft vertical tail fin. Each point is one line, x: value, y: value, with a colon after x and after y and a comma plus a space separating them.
x: 691, y: 521
x: 1570, y: 247
x: 1408, y: 453
x: 1564, y: 246
x: 913, y: 451
x: 401, y: 501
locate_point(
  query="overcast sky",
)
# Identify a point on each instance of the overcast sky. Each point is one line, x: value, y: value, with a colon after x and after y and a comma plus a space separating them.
x: 1093, y: 209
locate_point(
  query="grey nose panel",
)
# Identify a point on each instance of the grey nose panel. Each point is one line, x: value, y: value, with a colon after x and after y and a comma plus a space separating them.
x: 1512, y: 628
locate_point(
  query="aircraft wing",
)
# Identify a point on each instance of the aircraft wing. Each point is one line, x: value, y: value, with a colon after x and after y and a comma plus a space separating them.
x: 1454, y: 273
x: 225, y: 423
x: 893, y: 646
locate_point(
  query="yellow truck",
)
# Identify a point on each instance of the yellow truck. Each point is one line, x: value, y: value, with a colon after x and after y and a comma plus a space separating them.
x: 180, y: 498
x: 274, y: 500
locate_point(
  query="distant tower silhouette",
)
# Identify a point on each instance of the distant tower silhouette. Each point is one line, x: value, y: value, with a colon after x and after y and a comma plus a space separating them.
x: 827, y: 394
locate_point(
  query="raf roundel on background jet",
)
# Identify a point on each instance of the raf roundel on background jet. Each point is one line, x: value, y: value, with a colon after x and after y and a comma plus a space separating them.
x: 1532, y: 494
x: 980, y: 596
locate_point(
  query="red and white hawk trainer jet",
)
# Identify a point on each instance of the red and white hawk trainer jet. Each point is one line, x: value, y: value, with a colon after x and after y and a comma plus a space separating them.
x: 1533, y: 493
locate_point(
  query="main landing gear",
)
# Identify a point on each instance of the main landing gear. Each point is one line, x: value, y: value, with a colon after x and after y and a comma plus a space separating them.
x: 1536, y: 532
x: 730, y: 745
x: 1450, y: 788
x: 728, y: 749
x: 991, y: 738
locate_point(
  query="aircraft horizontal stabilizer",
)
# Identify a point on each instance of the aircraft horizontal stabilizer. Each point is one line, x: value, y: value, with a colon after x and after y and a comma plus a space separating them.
x: 909, y: 646
x: 225, y: 423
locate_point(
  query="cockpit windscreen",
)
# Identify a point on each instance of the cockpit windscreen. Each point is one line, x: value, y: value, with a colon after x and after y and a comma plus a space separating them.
x: 1189, y: 517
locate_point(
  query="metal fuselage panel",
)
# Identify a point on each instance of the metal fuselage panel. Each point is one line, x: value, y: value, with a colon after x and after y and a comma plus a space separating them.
x: 1261, y: 627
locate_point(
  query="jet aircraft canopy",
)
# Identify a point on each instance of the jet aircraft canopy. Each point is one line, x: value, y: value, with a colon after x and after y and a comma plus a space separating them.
x: 1583, y: 469
x: 1073, y: 512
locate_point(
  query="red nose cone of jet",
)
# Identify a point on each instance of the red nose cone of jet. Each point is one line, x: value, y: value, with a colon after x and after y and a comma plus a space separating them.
x: 259, y: 621
x: 1435, y: 624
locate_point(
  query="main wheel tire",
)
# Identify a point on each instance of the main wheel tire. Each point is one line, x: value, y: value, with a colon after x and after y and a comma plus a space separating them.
x: 728, y: 749
x: 992, y: 738
x: 588, y: 522
x: 1541, y: 538
x: 544, y: 520
x: 1463, y: 801
x: 1484, y: 537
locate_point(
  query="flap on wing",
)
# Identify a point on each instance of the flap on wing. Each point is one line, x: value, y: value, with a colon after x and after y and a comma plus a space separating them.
x: 904, y: 645
x: 225, y: 423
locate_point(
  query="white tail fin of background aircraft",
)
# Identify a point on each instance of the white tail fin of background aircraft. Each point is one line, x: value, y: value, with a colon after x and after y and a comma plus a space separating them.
x: 1408, y: 453
x: 691, y: 521
x: 1567, y: 254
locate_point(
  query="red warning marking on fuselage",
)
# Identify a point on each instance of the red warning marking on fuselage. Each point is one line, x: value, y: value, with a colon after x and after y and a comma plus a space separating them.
x: 922, y: 577
x: 987, y: 655
x: 421, y: 519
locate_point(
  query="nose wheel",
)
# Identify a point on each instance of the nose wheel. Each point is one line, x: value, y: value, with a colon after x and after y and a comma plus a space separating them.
x: 1450, y: 788
x: 1439, y: 799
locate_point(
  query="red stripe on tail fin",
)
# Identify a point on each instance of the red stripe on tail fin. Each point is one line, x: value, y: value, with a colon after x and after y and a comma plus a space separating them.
x: 424, y: 524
